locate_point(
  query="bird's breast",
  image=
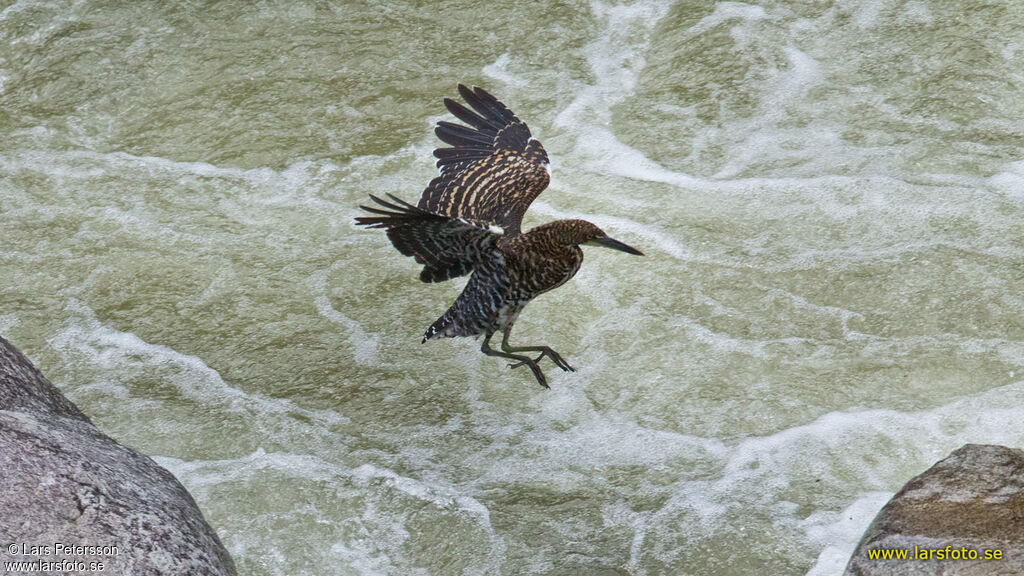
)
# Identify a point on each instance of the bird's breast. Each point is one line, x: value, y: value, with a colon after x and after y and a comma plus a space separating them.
x: 542, y: 271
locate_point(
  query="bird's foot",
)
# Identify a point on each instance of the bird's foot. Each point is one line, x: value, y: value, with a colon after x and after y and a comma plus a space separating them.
x: 555, y: 357
x: 537, y: 372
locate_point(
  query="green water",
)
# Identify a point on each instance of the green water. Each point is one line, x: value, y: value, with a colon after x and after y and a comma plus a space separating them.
x: 830, y: 197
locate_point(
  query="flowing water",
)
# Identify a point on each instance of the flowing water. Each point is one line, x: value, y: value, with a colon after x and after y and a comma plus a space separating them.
x: 830, y: 196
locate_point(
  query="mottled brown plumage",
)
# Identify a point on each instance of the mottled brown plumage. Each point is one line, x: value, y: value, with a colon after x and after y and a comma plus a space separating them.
x: 468, y: 220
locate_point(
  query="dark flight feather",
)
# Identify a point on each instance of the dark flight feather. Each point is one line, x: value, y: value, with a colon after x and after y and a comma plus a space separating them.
x: 495, y: 168
x: 447, y: 247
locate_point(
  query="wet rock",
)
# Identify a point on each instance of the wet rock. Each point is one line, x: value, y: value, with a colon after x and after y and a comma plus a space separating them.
x: 963, y: 516
x: 72, y: 497
x: 24, y: 389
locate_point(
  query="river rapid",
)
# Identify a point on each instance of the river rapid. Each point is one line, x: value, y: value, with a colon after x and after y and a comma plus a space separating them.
x: 830, y: 196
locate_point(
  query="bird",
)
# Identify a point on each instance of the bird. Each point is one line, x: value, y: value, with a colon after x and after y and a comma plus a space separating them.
x: 468, y: 221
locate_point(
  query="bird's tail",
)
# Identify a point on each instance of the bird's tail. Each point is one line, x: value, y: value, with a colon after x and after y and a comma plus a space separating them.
x: 441, y: 328
x: 473, y: 312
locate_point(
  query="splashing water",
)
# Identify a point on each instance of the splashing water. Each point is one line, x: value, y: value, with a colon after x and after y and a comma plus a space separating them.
x: 830, y: 197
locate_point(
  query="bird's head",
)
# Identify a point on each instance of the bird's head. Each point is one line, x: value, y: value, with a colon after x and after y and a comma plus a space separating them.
x: 582, y: 232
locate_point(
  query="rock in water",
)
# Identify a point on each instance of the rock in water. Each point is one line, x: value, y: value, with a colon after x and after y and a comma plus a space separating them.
x: 955, y: 518
x: 72, y: 497
x: 24, y: 389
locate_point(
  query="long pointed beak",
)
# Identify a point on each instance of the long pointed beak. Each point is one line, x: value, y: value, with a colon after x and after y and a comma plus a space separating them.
x: 613, y: 243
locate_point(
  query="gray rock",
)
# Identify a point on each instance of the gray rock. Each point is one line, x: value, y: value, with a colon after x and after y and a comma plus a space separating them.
x: 63, y: 484
x: 24, y: 389
x: 965, y: 507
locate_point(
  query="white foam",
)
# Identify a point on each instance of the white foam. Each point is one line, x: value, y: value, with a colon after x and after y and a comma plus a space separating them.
x: 611, y: 438
x: 583, y: 437
x: 200, y: 477
x: 8, y: 322
x: 205, y: 475
x: 804, y: 73
x: 615, y: 61
x: 837, y: 533
x: 219, y: 285
x: 918, y: 13
x: 1010, y: 181
x: 499, y: 71
x: 113, y: 349
x: 364, y: 345
x: 294, y: 180
x: 757, y: 348
x: 604, y: 153
x: 726, y: 12
x: 840, y: 448
x: 865, y: 14
x: 760, y: 135
x: 652, y: 234
x: 843, y: 314
x: 441, y: 496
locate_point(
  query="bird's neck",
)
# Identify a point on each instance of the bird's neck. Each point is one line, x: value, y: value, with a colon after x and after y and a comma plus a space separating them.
x: 556, y: 235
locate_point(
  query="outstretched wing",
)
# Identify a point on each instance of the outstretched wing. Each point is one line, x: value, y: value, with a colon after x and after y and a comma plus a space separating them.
x: 495, y: 168
x: 447, y: 247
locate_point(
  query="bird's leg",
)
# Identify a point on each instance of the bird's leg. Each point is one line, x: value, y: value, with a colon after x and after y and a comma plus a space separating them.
x: 486, y: 349
x: 544, y: 351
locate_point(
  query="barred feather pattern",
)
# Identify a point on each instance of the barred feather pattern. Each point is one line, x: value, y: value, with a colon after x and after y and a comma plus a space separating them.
x: 495, y: 168
x: 447, y: 247
x: 478, y: 308
x: 529, y: 265
x: 468, y: 221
